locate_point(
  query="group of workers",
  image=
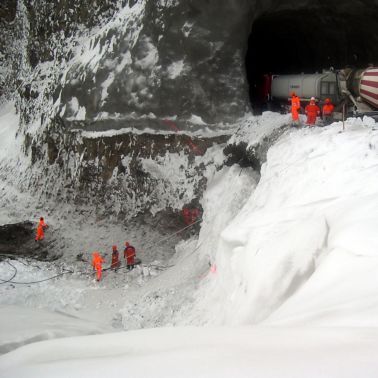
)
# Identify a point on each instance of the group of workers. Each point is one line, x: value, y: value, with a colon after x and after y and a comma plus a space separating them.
x: 128, y: 254
x: 97, y: 260
x: 312, y: 110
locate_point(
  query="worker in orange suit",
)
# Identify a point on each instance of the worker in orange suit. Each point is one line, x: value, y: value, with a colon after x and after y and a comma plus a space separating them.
x: 327, y: 111
x: 97, y: 261
x: 295, y: 108
x: 41, y: 229
x: 129, y: 254
x: 312, y: 111
x: 115, y: 258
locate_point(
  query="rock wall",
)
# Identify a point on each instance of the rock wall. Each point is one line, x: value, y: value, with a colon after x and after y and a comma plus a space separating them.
x: 135, y: 58
x: 133, y: 64
x: 7, y: 29
x: 122, y: 175
x: 165, y: 58
x: 160, y: 58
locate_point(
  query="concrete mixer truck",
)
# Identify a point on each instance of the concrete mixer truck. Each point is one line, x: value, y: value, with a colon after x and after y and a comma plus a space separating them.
x: 356, y: 89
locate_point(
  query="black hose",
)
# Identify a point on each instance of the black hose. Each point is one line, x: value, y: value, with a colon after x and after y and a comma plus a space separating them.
x: 35, y: 282
x: 10, y: 280
x: 14, y: 274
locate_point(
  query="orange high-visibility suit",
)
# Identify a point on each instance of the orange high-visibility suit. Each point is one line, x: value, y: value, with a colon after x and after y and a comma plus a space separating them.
x: 40, y: 229
x: 295, y: 107
x: 312, y: 111
x: 40, y: 233
x: 97, y: 261
x: 129, y: 255
x: 327, y: 111
x: 115, y: 259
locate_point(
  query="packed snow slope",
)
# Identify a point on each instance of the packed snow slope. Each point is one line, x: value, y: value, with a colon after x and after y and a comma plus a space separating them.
x: 292, y: 287
x: 195, y: 352
x: 304, y: 248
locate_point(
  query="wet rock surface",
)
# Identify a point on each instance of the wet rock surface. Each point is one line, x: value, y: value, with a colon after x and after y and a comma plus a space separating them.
x: 124, y: 175
x: 252, y: 155
x: 18, y: 240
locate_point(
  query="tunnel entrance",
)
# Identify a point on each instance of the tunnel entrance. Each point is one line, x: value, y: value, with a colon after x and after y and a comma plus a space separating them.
x: 308, y: 41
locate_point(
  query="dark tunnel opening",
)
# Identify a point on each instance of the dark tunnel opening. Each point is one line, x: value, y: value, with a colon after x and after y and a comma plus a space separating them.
x: 308, y: 41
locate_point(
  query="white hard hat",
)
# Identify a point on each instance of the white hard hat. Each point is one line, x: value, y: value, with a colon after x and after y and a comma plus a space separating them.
x: 312, y: 98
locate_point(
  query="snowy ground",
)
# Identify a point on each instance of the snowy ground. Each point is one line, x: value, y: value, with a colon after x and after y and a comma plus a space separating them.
x: 202, y: 352
x: 282, y: 276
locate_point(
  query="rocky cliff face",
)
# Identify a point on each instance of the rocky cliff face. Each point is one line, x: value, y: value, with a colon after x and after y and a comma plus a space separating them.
x: 127, y: 64
x: 143, y: 64
x: 7, y: 29
x: 122, y: 174
x: 135, y: 58
x: 121, y: 60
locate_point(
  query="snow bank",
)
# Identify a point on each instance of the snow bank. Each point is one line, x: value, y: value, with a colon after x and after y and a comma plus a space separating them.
x: 32, y: 325
x: 252, y: 129
x: 226, y: 193
x: 57, y: 294
x: 197, y: 352
x: 306, y: 233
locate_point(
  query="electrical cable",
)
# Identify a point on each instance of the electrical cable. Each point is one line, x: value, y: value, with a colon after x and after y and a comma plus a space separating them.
x: 175, y: 233
x: 65, y: 271
x: 14, y: 274
x: 35, y: 282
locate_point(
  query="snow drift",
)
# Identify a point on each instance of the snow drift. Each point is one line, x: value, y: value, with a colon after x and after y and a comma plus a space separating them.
x: 303, y: 247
